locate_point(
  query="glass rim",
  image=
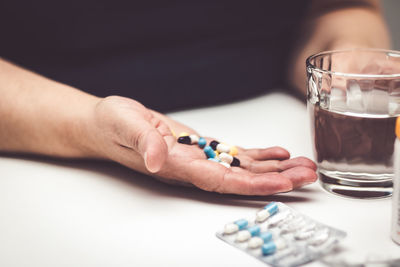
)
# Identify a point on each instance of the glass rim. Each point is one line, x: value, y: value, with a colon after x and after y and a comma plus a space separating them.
x: 389, y: 52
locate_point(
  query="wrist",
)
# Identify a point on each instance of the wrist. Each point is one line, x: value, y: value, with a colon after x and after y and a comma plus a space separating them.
x: 82, y: 129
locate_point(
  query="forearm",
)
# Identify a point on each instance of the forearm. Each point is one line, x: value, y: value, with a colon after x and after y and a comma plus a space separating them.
x: 358, y: 25
x: 42, y: 116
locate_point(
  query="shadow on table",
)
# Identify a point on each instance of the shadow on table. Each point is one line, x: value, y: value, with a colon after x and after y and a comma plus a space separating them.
x: 153, y: 186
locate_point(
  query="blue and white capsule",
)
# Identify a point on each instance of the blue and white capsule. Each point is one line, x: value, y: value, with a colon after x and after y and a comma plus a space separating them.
x: 267, y: 211
x: 231, y: 228
x: 202, y: 142
x: 272, y: 247
x: 258, y: 241
x: 247, y: 233
x: 209, y: 152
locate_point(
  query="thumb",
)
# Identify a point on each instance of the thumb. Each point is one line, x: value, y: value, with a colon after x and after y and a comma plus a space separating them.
x: 153, y: 148
x: 148, y: 141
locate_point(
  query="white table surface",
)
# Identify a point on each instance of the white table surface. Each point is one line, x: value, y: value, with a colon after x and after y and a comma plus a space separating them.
x: 74, y: 213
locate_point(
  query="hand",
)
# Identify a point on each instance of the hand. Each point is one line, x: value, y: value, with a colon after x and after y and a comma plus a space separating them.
x: 125, y: 131
x: 360, y: 62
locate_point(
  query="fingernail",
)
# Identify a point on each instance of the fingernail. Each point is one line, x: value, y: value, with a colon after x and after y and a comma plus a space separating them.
x: 145, y: 160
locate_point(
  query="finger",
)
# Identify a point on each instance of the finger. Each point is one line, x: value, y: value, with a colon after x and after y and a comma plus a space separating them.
x: 300, y: 176
x: 153, y: 149
x: 146, y: 137
x: 275, y: 165
x: 211, y: 176
x: 267, y: 153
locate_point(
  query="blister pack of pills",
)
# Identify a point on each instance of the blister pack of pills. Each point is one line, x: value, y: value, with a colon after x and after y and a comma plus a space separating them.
x: 280, y: 236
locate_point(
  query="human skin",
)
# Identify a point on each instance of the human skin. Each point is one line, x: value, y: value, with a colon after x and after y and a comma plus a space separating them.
x: 335, y: 25
x: 41, y: 116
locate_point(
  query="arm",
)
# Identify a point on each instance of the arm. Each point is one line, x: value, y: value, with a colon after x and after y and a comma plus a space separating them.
x: 338, y: 24
x: 41, y: 116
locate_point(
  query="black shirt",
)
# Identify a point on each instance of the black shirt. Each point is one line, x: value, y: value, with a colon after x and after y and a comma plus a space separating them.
x: 165, y: 54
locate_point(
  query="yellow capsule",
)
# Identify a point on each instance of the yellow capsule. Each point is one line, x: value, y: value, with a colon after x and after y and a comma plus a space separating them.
x: 216, y: 153
x: 173, y: 133
x: 234, y: 151
x: 183, y: 134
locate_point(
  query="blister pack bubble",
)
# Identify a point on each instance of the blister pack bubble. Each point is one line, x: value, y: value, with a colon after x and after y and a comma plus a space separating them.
x: 281, y: 236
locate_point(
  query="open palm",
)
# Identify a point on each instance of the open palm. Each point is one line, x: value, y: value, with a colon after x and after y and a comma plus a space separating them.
x: 141, y: 139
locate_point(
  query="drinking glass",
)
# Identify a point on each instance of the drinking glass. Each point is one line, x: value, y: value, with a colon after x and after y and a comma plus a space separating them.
x: 353, y: 99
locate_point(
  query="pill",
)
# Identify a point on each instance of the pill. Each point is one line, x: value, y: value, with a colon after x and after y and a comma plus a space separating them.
x: 257, y: 241
x: 214, y: 159
x: 280, y: 218
x: 223, y: 148
x: 184, y: 140
x: 235, y: 226
x: 194, y: 139
x: 214, y: 144
x: 231, y: 228
x: 173, y: 133
x: 202, y: 142
x: 273, y: 246
x: 243, y: 236
x: 294, y: 225
x: 225, y: 157
x: 308, y: 227
x: 319, y: 238
x: 234, y: 151
x: 225, y: 164
x: 209, y: 152
x: 216, y: 153
x: 267, y: 211
x: 242, y: 223
x: 235, y: 162
x: 302, y: 235
x: 183, y: 134
x: 247, y: 233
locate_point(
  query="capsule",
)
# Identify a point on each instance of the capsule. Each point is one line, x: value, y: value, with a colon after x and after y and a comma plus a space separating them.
x: 234, y: 151
x: 272, y: 247
x: 214, y: 159
x: 231, y: 228
x: 173, y: 133
x: 194, y: 139
x: 225, y: 157
x: 303, y: 235
x: 202, y: 142
x: 183, y: 134
x: 280, y: 218
x: 308, y: 227
x: 235, y: 162
x: 214, y: 144
x: 223, y: 148
x: 294, y: 225
x: 184, y: 140
x: 258, y: 241
x: 209, y: 152
x: 225, y: 164
x: 267, y: 211
x: 248, y: 233
x: 319, y: 238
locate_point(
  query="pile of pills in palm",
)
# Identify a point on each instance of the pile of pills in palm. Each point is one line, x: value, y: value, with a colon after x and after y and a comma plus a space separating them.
x: 281, y: 236
x: 215, y: 151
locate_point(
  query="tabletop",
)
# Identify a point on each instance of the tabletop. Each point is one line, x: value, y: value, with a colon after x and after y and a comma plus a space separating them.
x: 93, y: 213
